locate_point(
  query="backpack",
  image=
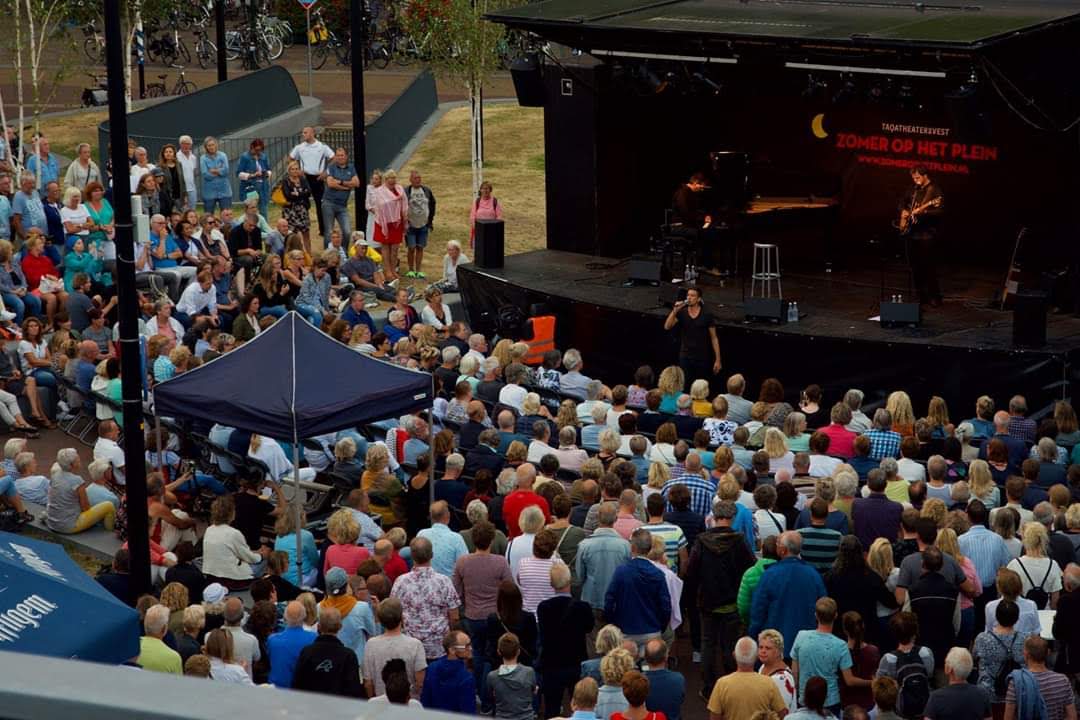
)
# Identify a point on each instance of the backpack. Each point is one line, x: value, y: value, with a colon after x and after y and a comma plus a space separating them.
x: 914, y: 684
x: 1001, y: 679
x: 1037, y: 594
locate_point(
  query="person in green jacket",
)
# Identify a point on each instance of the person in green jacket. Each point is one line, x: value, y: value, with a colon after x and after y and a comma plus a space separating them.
x: 752, y: 576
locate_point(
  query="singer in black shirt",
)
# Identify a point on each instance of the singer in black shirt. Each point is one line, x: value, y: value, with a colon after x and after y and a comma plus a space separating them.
x: 925, y: 204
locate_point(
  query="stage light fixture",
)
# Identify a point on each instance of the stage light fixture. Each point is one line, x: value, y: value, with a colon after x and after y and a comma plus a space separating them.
x: 847, y: 90
x: 815, y: 87
x: 714, y: 87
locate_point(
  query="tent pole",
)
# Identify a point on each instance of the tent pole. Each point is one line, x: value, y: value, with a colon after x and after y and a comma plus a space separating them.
x: 431, y: 455
x: 299, y: 508
x: 160, y: 449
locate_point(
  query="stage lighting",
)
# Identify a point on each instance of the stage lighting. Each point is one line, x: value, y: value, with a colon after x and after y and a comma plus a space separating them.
x: 714, y: 87
x: 815, y: 87
x: 847, y: 90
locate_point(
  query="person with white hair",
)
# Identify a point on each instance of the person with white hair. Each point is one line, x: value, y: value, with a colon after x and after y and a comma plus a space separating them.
x: 478, y: 346
x: 188, y: 161
x: 744, y: 692
x: 451, y: 260
x: 154, y: 654
x: 573, y: 382
x: 101, y: 477
x: 958, y: 699
x: 31, y: 486
x: 69, y: 510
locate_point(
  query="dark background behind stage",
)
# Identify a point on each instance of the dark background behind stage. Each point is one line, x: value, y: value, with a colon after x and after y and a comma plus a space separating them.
x: 621, y: 151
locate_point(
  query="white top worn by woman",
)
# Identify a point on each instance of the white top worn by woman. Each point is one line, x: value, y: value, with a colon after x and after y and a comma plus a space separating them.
x: 785, y: 683
x: 769, y: 523
x: 228, y: 672
x: 39, y: 350
x: 226, y: 553
x: 449, y: 268
x: 1039, y: 571
x: 427, y: 316
x: 78, y: 216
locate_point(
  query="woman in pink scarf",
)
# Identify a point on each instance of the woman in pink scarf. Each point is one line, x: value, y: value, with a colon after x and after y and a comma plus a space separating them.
x: 391, y: 211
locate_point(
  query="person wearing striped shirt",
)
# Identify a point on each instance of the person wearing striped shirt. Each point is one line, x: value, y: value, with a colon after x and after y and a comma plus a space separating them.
x: 533, y: 574
x: 820, y: 543
x: 675, y: 547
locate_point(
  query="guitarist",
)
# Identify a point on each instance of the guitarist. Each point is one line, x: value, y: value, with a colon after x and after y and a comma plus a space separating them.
x: 921, y: 213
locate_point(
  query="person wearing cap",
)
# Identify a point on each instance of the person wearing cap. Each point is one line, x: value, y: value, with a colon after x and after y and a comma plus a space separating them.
x: 327, y: 665
x: 448, y: 683
x: 362, y: 272
x: 254, y: 172
x: 284, y: 647
x: 357, y: 620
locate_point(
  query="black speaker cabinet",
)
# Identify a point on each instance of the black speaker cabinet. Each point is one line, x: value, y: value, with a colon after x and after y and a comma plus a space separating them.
x: 490, y: 244
x: 1029, y: 318
x: 646, y: 269
x: 528, y: 81
x: 772, y: 310
x: 900, y: 314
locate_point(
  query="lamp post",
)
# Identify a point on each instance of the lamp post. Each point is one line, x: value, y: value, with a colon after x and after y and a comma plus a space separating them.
x: 358, y: 26
x: 128, y: 308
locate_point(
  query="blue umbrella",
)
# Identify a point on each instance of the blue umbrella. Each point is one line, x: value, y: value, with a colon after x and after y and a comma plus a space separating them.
x: 49, y: 606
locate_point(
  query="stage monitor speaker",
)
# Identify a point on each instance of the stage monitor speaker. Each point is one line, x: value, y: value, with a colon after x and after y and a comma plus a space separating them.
x: 646, y: 269
x: 489, y: 244
x: 671, y: 293
x: 528, y: 81
x: 900, y: 314
x: 1029, y: 318
x: 772, y: 310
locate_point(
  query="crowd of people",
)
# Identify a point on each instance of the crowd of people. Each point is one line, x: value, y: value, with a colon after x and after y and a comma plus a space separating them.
x: 541, y: 541
x: 819, y: 561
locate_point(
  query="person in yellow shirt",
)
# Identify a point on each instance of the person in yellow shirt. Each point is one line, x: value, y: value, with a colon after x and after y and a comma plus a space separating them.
x: 154, y: 654
x: 744, y: 692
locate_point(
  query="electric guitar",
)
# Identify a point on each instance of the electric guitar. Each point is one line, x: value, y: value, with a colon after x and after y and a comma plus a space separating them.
x: 908, y: 218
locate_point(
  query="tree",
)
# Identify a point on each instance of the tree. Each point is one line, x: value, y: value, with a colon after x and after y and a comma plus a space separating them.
x: 457, y: 42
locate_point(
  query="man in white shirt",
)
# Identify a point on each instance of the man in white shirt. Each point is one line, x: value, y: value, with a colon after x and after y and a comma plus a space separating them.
x: 198, y: 298
x: 106, y: 448
x: 477, y: 347
x: 313, y: 157
x: 188, y: 161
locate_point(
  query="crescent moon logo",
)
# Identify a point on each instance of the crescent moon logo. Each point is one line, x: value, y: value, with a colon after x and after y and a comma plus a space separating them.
x: 817, y: 126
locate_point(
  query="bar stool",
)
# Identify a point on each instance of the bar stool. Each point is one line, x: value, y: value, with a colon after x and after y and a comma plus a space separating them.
x: 766, y: 271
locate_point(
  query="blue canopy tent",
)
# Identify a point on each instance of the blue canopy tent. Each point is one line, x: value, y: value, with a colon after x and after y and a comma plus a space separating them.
x: 49, y: 606
x: 293, y: 382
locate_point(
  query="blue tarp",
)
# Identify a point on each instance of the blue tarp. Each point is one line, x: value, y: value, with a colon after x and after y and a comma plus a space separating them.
x: 294, y: 377
x: 49, y: 606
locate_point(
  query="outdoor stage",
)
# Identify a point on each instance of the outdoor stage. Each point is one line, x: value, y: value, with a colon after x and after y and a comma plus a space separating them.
x: 960, y: 351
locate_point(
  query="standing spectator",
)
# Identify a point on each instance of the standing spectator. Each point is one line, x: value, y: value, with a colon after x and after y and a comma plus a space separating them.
x: 350, y: 599
x: 521, y: 498
x: 1037, y: 687
x: 819, y: 653
x: 245, y: 646
x: 341, y: 180
x: 933, y: 599
x: 313, y: 157
x: 613, y: 667
x: 1039, y: 574
x: 448, y: 684
x: 27, y: 209
x: 987, y: 552
x: 392, y: 644
x: 172, y: 176
x: 512, y: 686
x: 1066, y: 628
x: 744, y: 692
x: 667, y: 688
x: 856, y: 587
x: 1008, y: 587
x: 214, y: 169
x: 297, y: 189
x: 254, y: 172
x: 189, y: 162
x: 476, y: 579
x: 447, y: 545
x: 999, y: 652
x: 958, y: 700
x: 583, y: 703
x: 391, y: 210
x: 326, y: 665
x: 912, y: 565
x: 820, y: 543
x: 284, y: 647
x: 771, y: 655
x: 428, y: 600
x: 533, y: 574
x: 599, y: 555
x: 44, y: 164
x: 752, y: 577
x: 1015, y: 448
x: 485, y: 207
x: 154, y: 654
x: 717, y: 563
x: 637, y: 598
x: 82, y: 171
x: 421, y: 217
x: 788, y: 590
x: 563, y: 626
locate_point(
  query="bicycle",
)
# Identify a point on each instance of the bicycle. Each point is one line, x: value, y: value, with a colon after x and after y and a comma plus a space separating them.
x: 94, y: 45
x: 169, y: 46
x: 158, y: 89
x: 205, y: 49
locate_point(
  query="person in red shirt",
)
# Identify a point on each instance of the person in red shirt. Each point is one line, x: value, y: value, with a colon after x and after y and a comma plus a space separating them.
x: 841, y: 440
x: 521, y: 498
x: 388, y: 558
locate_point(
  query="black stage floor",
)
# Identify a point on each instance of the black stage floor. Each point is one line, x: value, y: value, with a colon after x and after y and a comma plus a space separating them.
x: 964, y: 345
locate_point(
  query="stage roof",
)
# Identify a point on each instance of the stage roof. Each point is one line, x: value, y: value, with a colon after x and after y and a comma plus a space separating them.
x: 882, y: 23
